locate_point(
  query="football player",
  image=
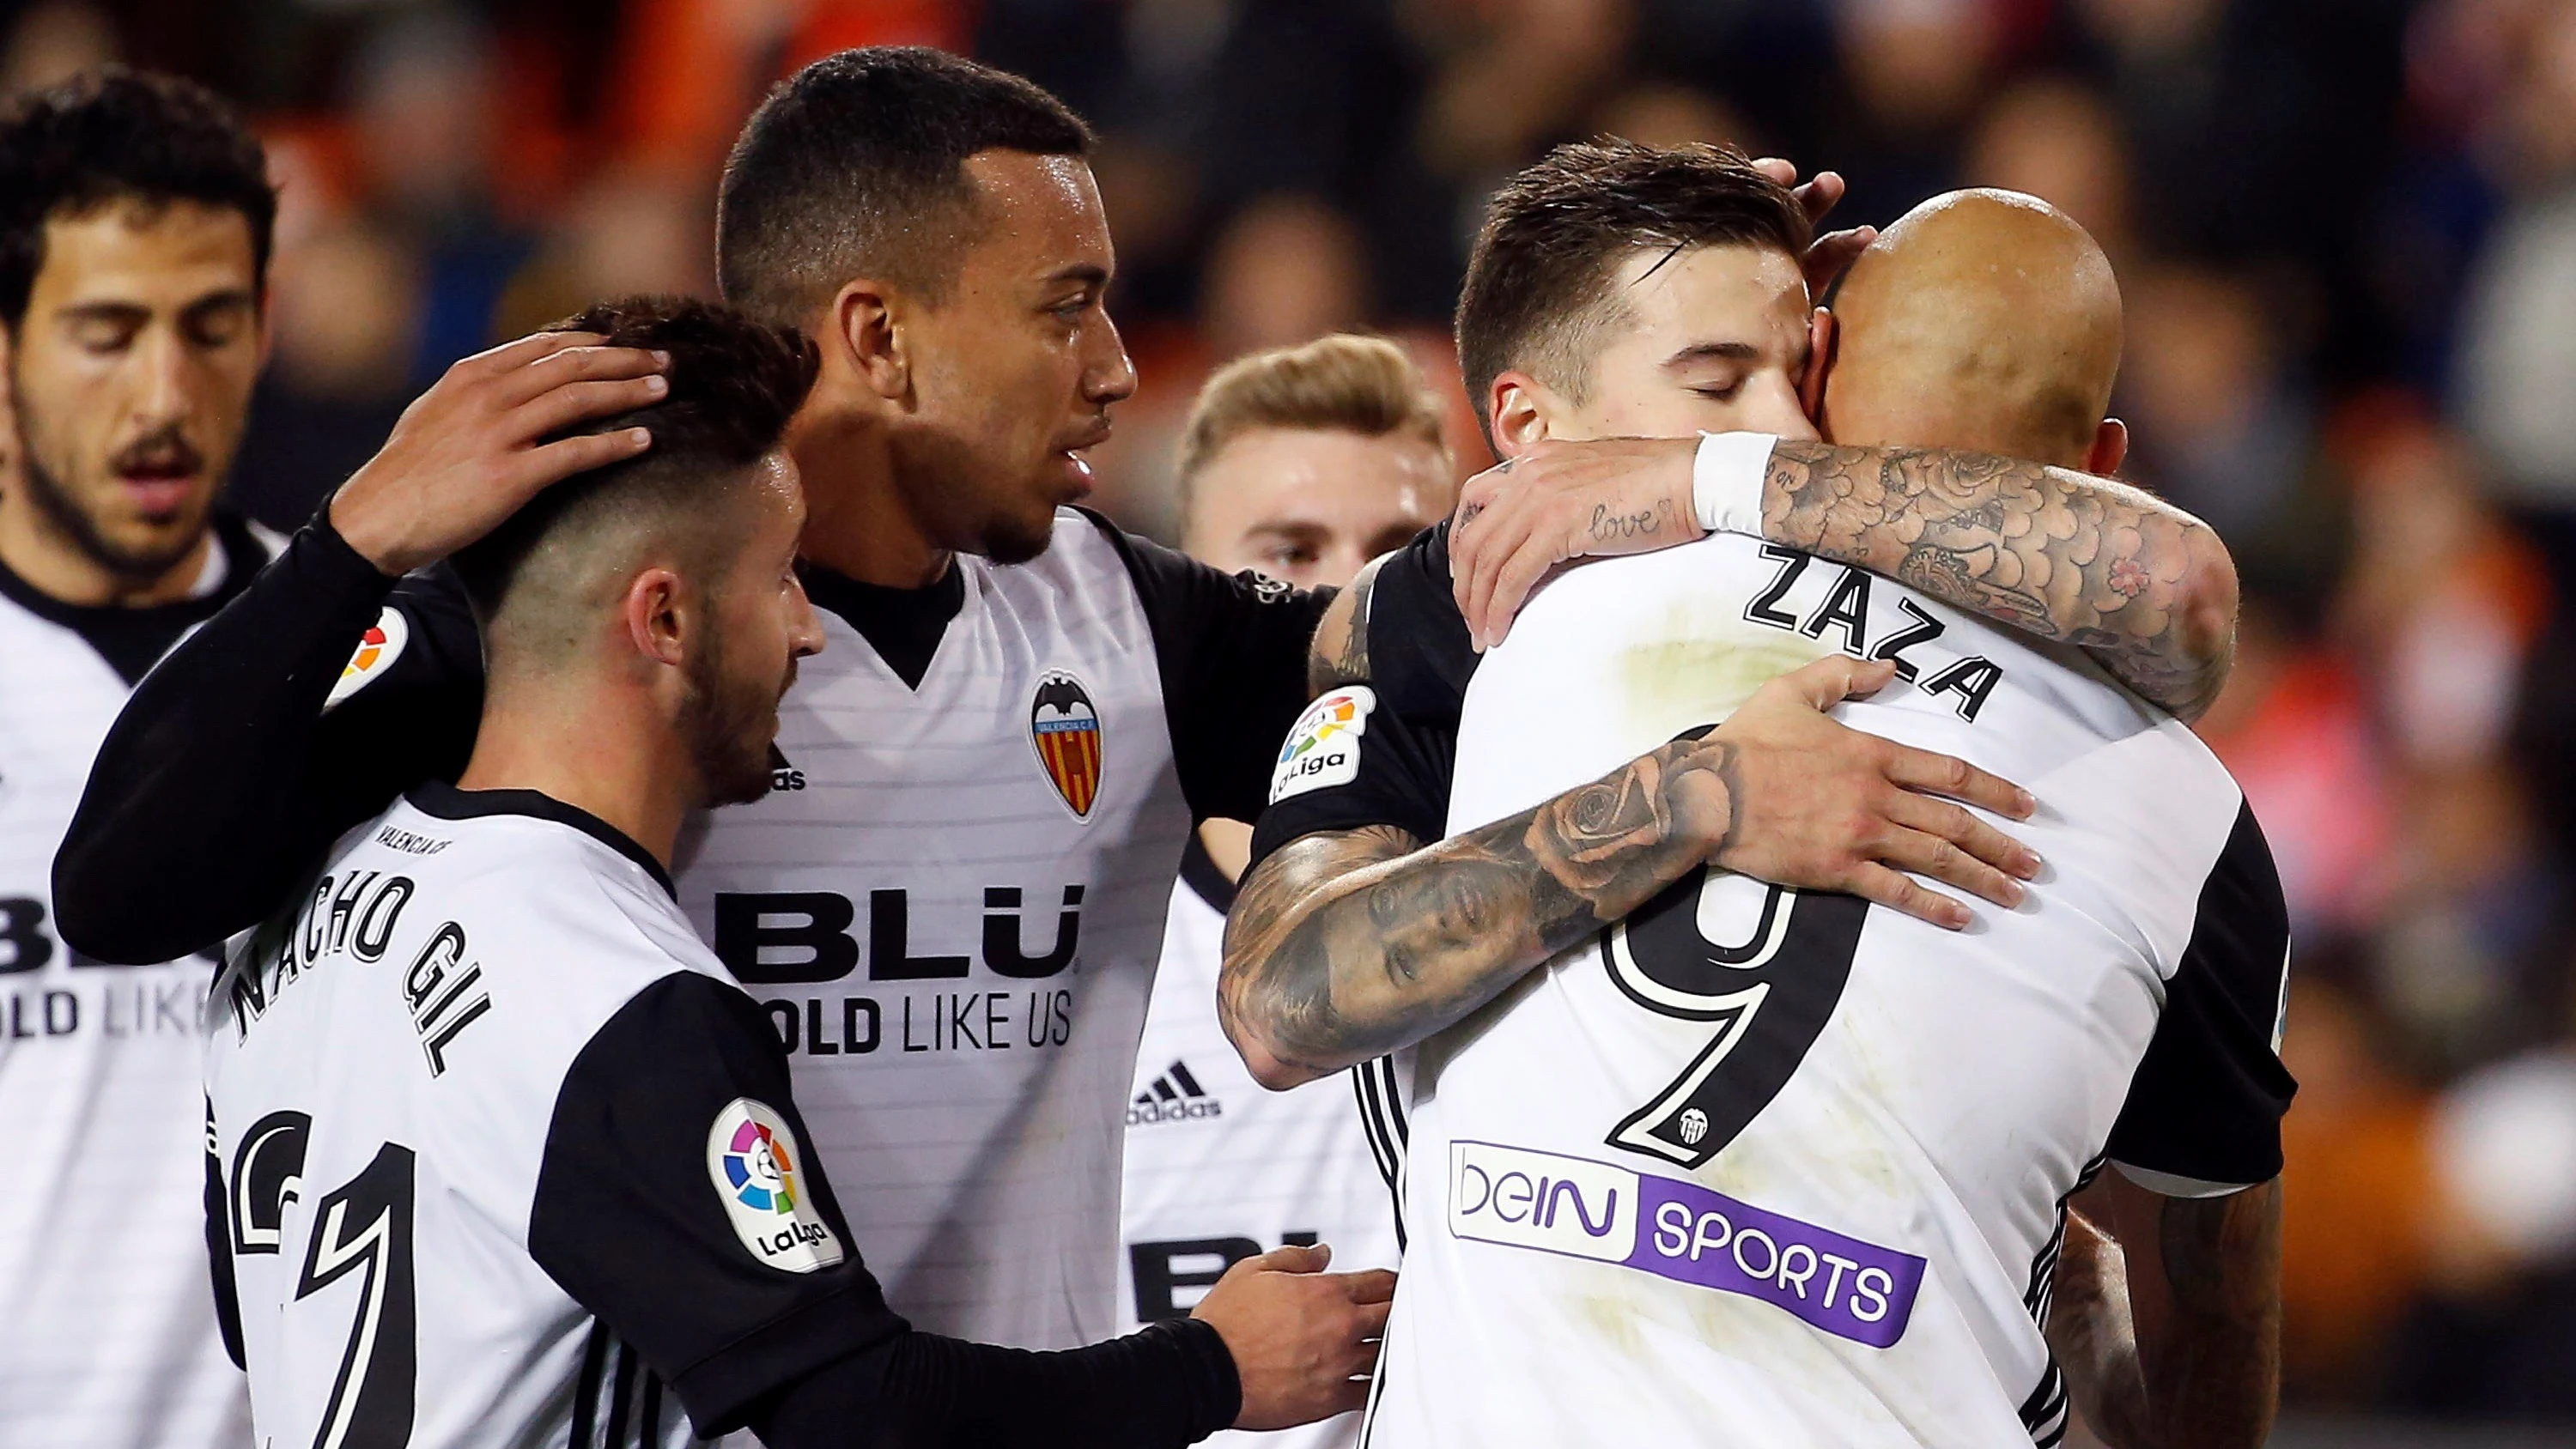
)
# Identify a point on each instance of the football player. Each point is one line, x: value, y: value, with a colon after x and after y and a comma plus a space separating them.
x: 499, y: 1155
x: 1738, y: 1163
x: 952, y: 899
x: 134, y: 238
x: 1302, y: 463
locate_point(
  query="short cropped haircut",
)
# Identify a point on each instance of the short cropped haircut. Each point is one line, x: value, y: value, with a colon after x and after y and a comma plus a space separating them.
x: 855, y: 166
x: 734, y: 384
x: 1537, y: 296
x: 121, y: 135
x: 1341, y: 383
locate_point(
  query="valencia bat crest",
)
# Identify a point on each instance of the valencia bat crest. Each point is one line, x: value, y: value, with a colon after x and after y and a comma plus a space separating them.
x: 1065, y: 728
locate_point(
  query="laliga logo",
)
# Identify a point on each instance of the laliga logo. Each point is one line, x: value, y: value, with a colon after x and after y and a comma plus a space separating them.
x: 1324, y: 748
x: 758, y: 1166
x: 751, y: 1157
x: 377, y: 650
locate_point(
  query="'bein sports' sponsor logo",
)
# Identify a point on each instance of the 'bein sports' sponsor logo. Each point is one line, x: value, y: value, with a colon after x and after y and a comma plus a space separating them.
x: 751, y: 1158
x: 1679, y: 1230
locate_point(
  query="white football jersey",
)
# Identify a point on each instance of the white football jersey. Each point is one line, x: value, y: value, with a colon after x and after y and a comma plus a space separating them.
x: 1763, y: 1167
x: 496, y: 1154
x: 1220, y: 1169
x: 107, y: 1331
x: 951, y: 904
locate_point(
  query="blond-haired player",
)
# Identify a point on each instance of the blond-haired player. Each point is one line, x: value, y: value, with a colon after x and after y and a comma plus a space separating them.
x: 1303, y: 463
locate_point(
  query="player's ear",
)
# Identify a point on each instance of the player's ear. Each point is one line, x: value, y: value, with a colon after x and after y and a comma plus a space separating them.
x: 865, y: 336
x: 1518, y: 405
x: 1821, y: 337
x: 657, y: 624
x: 2110, y: 448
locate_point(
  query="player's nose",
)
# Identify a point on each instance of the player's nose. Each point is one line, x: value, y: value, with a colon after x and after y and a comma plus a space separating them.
x: 805, y: 630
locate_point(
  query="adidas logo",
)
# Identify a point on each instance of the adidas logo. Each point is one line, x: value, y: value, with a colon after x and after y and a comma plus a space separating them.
x: 1175, y: 1096
x: 782, y: 775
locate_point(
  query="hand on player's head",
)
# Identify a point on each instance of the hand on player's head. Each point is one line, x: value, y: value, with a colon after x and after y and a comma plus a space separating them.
x: 1305, y: 1341
x: 472, y: 450
x: 1832, y: 252
x: 1820, y: 806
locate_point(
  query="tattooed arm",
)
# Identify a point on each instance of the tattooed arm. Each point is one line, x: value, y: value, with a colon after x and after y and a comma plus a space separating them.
x: 2094, y: 1335
x: 1343, y: 945
x: 2145, y: 588
x: 1339, y: 652
x: 2203, y: 1286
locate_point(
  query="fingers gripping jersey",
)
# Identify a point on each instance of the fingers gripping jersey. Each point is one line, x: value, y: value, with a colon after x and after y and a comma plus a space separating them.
x: 1219, y: 1169
x: 496, y: 1156
x: 1770, y: 1168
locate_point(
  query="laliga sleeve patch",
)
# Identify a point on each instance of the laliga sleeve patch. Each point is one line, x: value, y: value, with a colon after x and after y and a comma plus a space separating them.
x: 378, y: 648
x: 758, y: 1169
x: 1324, y: 748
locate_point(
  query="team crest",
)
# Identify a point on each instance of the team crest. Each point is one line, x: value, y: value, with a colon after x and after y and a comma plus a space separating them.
x: 378, y: 648
x: 1064, y: 725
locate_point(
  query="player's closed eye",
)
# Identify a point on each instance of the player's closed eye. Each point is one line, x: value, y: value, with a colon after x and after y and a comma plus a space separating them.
x: 103, y: 335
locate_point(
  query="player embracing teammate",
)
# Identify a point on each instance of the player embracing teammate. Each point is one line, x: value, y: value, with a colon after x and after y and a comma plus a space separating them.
x: 948, y: 904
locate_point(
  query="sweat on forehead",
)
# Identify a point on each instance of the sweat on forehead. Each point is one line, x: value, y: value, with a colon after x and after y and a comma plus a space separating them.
x: 1539, y: 293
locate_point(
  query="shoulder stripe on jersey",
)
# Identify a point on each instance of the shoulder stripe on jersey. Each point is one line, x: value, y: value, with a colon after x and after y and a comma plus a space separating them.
x: 648, y: 1424
x: 619, y: 1396
x: 2044, y: 1413
x: 1382, y: 1123
x: 2043, y: 1268
x: 585, y: 1394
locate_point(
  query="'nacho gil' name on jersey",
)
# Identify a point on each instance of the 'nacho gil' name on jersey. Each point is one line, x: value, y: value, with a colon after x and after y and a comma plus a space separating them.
x: 918, y: 1001
x: 352, y: 918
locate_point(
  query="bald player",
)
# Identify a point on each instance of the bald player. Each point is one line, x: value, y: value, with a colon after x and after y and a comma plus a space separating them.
x: 1986, y: 321
x: 1762, y: 1166
x: 1989, y: 320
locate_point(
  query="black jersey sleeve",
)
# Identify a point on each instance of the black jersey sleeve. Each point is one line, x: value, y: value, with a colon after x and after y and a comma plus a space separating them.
x: 631, y: 1218
x: 1381, y: 751
x: 2204, y: 1111
x: 223, y: 777
x: 1231, y: 649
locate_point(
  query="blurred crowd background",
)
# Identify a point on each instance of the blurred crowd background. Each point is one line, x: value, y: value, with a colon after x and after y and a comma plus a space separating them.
x: 2346, y: 230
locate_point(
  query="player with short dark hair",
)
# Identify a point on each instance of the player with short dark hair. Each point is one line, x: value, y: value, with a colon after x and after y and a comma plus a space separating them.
x: 497, y: 1154
x: 135, y: 214
x: 1545, y: 285
x: 951, y: 901
x: 859, y: 166
x: 1817, y: 1156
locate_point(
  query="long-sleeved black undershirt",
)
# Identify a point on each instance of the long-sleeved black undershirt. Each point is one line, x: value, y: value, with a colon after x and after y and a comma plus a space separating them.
x: 1169, y: 1384
x: 223, y: 779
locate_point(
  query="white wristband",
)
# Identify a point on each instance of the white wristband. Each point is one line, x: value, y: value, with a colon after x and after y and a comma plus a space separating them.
x: 1726, y: 481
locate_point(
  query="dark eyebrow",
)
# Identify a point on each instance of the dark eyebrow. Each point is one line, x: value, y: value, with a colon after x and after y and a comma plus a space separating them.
x: 228, y: 297
x: 1084, y: 272
x: 1714, y: 351
x: 107, y: 312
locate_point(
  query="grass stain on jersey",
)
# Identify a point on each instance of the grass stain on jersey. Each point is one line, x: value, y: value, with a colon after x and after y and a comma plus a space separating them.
x: 1698, y: 665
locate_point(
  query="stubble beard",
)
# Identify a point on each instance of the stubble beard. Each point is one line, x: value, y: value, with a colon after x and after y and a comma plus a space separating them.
x: 63, y: 513
x: 729, y: 726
